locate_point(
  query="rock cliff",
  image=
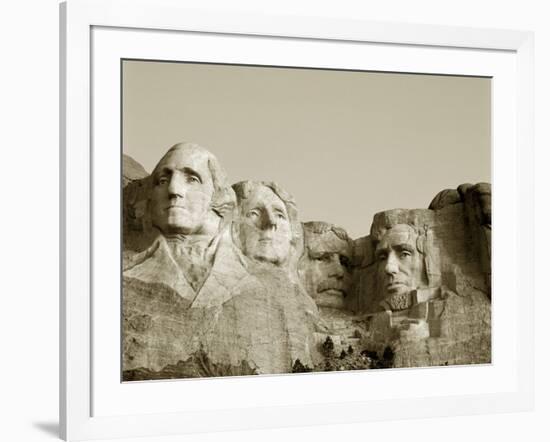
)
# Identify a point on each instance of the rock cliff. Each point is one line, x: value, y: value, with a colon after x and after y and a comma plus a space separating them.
x: 252, y: 290
x: 131, y: 170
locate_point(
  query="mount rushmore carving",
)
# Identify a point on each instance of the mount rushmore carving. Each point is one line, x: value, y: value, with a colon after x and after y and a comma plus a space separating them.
x: 223, y: 280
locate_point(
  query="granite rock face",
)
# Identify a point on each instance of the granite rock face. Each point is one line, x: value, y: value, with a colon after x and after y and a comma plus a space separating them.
x: 219, y: 279
x: 252, y: 326
x: 442, y: 316
x: 131, y: 170
x: 223, y: 280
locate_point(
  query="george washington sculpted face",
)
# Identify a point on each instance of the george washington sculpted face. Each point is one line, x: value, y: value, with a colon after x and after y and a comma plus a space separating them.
x: 182, y: 191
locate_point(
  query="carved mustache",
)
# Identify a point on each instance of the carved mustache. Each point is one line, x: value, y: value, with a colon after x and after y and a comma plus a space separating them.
x: 390, y: 280
x: 330, y: 284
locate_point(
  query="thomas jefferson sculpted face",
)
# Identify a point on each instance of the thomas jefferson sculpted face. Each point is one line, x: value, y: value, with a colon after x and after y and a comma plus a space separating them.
x: 182, y: 191
x: 399, y: 261
x: 264, y: 226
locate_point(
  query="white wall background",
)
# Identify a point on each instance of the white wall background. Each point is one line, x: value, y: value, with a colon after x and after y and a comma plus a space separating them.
x: 29, y: 221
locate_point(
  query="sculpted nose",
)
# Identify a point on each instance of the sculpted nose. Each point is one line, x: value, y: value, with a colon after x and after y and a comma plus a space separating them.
x: 268, y: 220
x: 176, y: 187
x: 391, y: 265
x: 336, y: 270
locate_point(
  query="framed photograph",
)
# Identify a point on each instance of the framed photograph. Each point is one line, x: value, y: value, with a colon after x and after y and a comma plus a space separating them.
x: 290, y: 219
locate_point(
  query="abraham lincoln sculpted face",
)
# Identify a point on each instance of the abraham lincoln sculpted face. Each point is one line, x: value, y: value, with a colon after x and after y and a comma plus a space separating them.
x: 399, y: 262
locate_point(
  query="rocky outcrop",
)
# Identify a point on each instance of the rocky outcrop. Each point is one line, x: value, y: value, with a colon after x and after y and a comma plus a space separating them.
x: 446, y: 319
x: 198, y: 365
x: 226, y: 281
x: 137, y: 231
x: 222, y: 284
x: 266, y: 322
x: 131, y: 170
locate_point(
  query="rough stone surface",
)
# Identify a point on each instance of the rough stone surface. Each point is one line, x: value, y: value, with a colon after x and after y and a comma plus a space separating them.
x: 227, y: 281
x: 131, y: 170
x: 445, y: 198
x: 137, y: 231
x: 477, y: 201
x: 232, y: 296
x: 268, y: 329
x: 446, y: 320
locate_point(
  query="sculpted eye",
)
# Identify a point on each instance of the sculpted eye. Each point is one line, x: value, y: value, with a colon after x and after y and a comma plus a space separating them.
x: 253, y: 214
x: 162, y: 180
x: 405, y: 254
x: 281, y: 215
x: 193, y: 179
x: 344, y: 261
x: 382, y: 257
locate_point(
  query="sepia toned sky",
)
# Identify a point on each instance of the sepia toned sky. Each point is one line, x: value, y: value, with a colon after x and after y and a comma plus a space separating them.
x: 345, y: 144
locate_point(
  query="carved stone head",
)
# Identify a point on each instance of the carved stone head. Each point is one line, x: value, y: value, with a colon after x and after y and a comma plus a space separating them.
x: 400, y: 265
x: 189, y: 193
x: 325, y: 267
x: 265, y: 223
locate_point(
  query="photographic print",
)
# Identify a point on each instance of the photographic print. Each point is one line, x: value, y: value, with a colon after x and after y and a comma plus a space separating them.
x: 280, y: 220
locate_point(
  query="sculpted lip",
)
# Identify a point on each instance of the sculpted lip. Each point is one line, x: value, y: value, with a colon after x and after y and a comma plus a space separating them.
x: 333, y: 290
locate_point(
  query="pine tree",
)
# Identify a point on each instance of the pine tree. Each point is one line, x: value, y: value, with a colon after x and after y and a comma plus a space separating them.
x: 298, y: 367
x: 328, y: 347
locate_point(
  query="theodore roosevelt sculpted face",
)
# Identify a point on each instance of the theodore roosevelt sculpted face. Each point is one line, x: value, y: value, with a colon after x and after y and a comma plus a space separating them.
x: 327, y: 263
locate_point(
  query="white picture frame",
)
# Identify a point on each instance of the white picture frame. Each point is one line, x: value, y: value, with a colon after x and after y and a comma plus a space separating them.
x: 83, y: 410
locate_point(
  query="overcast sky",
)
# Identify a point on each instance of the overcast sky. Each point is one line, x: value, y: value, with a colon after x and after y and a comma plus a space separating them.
x: 345, y: 144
